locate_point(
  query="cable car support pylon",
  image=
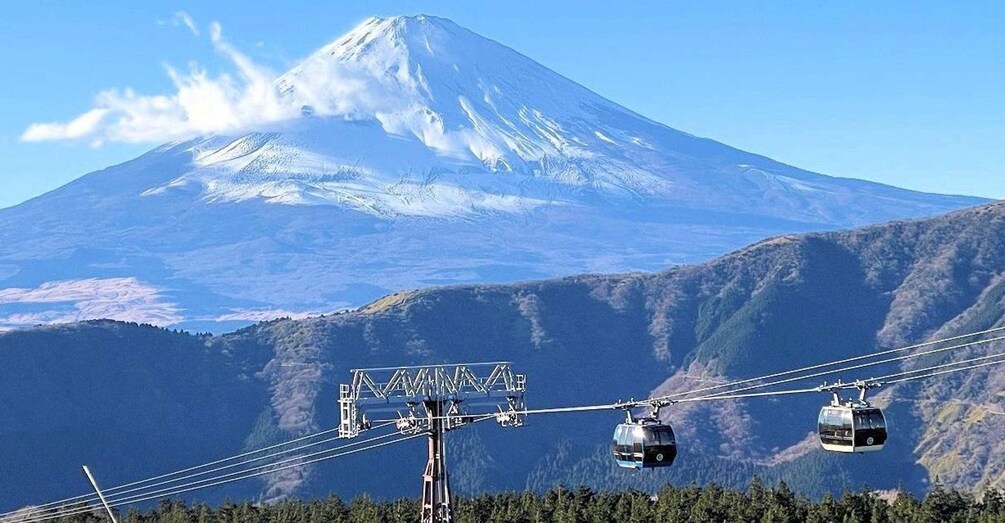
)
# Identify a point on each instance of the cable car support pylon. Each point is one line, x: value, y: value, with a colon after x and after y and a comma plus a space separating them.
x: 436, y: 399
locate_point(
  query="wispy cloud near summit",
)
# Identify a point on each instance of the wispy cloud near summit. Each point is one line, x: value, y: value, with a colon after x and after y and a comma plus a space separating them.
x: 201, y: 104
x: 183, y: 18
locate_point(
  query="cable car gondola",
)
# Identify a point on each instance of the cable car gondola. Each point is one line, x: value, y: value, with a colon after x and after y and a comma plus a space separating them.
x: 852, y: 426
x: 645, y: 443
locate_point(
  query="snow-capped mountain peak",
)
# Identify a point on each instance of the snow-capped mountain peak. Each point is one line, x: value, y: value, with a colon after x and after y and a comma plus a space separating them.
x: 461, y: 94
x: 419, y: 116
x: 411, y: 152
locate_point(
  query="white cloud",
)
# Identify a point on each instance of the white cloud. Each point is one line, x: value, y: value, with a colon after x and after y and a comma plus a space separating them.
x: 125, y: 299
x: 79, y: 127
x: 201, y: 104
x: 183, y: 18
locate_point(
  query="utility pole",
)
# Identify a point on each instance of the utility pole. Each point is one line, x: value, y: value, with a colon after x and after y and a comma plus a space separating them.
x: 94, y: 483
x: 445, y: 394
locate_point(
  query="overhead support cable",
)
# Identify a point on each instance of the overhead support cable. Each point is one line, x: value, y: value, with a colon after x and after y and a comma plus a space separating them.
x: 878, y: 381
x: 229, y: 478
x: 119, y: 488
x: 236, y: 476
x: 942, y: 372
x: 997, y: 358
x: 841, y: 370
x: 744, y: 391
x: 847, y: 360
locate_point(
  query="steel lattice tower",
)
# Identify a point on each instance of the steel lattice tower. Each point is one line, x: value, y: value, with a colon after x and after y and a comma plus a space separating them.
x: 446, y: 396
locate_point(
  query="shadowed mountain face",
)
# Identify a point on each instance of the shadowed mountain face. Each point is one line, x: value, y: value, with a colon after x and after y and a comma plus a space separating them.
x: 417, y: 154
x: 124, y: 399
x: 786, y: 302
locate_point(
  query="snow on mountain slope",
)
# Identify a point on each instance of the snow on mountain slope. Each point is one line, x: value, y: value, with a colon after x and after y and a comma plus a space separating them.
x: 417, y: 112
x: 354, y: 164
x: 423, y: 154
x: 462, y: 95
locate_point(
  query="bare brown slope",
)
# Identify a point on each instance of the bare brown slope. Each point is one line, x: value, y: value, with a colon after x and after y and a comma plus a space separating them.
x: 785, y: 302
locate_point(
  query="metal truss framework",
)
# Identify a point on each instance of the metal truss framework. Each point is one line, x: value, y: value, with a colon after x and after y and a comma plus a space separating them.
x: 446, y: 394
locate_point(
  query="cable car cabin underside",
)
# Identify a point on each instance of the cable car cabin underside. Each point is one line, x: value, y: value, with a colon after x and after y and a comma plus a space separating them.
x: 852, y: 428
x: 644, y: 444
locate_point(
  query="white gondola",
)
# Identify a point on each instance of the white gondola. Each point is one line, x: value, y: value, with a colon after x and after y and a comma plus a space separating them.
x: 645, y: 443
x: 852, y: 426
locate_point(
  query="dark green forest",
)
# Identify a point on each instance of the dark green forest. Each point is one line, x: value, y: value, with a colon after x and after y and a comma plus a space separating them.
x: 711, y: 503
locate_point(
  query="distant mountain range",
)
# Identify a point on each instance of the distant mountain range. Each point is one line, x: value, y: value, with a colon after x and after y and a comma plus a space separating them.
x: 71, y: 393
x: 421, y: 154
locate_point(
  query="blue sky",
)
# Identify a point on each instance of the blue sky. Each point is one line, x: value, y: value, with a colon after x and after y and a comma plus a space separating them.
x: 906, y: 93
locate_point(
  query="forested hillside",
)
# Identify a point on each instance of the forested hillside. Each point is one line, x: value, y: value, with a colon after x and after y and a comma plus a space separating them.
x: 130, y: 401
x: 785, y: 302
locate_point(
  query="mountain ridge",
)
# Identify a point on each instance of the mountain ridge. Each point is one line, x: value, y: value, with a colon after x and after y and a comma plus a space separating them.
x: 781, y: 303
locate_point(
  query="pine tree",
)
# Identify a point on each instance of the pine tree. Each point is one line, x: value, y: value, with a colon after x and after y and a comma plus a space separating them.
x: 362, y: 509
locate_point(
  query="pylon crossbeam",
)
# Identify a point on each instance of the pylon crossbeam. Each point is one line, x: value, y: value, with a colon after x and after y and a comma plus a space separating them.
x: 417, y: 384
x: 397, y: 382
x: 494, y: 377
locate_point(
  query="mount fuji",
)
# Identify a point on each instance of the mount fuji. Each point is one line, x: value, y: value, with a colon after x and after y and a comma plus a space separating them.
x: 410, y: 152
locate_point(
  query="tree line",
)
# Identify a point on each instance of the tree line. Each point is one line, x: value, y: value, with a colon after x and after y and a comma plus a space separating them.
x: 711, y: 503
